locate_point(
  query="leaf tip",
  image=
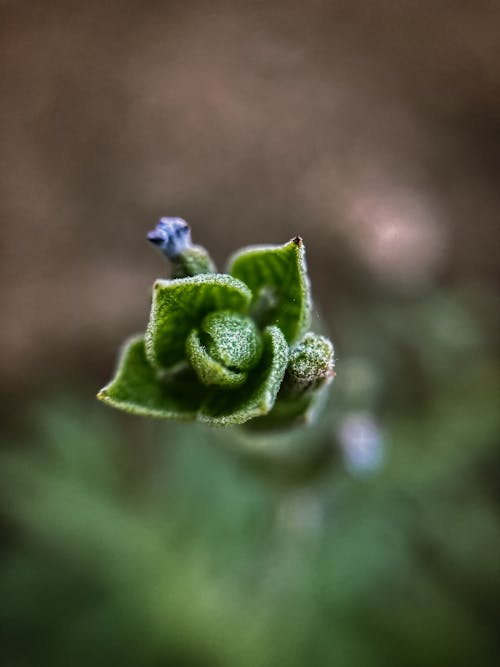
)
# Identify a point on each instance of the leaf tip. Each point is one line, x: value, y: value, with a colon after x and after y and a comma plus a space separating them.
x: 297, y: 240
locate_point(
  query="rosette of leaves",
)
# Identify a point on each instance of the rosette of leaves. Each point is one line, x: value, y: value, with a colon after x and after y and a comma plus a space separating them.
x: 225, y: 348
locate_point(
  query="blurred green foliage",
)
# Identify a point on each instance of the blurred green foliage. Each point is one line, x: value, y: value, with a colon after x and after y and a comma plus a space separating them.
x: 138, y: 543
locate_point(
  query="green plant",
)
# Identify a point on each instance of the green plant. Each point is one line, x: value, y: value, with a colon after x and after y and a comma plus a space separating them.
x: 225, y: 348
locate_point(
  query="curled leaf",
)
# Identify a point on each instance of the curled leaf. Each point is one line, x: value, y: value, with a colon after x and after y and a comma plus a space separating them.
x: 209, y: 370
x: 256, y: 397
x: 180, y: 305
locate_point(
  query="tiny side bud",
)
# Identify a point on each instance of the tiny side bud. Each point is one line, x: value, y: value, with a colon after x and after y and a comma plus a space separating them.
x: 311, y: 365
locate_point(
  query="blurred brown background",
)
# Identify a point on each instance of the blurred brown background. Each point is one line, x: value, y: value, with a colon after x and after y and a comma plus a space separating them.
x: 370, y: 128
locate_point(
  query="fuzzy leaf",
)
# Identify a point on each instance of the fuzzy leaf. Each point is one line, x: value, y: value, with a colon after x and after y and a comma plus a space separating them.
x: 180, y: 305
x: 136, y: 388
x: 256, y: 397
x: 208, y: 369
x: 277, y: 276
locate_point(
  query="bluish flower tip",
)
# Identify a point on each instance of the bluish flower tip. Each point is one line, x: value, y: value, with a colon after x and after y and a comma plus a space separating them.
x: 172, y: 236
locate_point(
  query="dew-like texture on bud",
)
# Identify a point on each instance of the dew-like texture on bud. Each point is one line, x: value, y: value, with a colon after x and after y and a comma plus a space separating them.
x: 312, y: 359
x: 209, y: 370
x: 257, y: 396
x: 232, y: 339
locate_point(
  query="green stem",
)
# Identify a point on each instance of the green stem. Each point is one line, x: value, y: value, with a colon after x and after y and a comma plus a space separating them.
x: 191, y: 262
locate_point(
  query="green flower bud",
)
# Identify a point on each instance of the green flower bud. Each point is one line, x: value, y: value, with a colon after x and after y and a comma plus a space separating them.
x: 311, y: 365
x: 226, y: 346
x: 233, y: 339
x: 209, y: 370
x: 222, y: 347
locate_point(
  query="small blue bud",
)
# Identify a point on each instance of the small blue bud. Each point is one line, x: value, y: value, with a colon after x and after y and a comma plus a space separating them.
x: 172, y: 236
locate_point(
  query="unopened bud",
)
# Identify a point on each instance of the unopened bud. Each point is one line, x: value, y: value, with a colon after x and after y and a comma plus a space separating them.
x: 311, y: 365
x: 173, y: 238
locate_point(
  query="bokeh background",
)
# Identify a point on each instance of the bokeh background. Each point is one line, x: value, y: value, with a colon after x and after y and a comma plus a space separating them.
x: 372, y: 130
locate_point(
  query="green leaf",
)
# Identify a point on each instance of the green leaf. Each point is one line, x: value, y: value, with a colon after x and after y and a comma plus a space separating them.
x: 209, y: 370
x: 257, y: 396
x: 136, y: 387
x: 180, y: 305
x: 277, y: 276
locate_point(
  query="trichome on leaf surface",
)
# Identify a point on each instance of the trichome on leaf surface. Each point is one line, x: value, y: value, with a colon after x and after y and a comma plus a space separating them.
x: 225, y: 348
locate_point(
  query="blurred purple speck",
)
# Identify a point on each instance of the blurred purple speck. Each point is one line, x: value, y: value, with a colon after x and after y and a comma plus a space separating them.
x: 361, y: 442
